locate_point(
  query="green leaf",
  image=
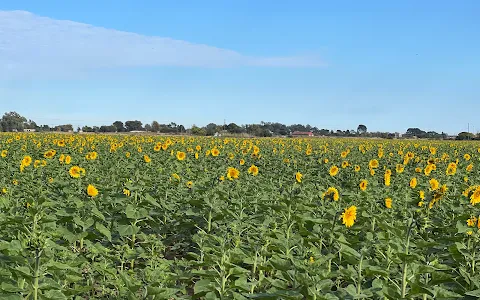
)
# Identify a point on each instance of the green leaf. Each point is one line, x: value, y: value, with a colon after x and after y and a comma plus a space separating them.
x: 97, y: 213
x: 54, y: 295
x: 202, y: 286
x: 103, y: 230
x: 10, y: 288
x: 130, y: 211
x: 475, y: 293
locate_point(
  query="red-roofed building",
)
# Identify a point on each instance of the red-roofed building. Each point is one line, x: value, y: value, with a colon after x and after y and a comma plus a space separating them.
x: 302, y: 133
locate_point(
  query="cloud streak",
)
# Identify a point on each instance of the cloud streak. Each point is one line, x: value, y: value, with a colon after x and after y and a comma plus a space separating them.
x: 31, y: 43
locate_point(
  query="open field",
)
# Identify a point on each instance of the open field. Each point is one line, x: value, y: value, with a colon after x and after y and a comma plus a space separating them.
x: 155, y: 217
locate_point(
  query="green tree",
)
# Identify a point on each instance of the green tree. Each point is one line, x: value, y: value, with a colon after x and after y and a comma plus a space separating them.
x: 12, y: 121
x: 361, y: 129
x: 119, y: 126
x: 155, y: 126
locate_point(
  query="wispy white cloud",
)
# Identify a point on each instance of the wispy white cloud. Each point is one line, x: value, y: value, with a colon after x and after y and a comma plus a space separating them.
x: 35, y: 44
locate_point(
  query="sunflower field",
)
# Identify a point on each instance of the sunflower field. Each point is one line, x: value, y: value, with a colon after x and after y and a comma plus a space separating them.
x: 155, y: 217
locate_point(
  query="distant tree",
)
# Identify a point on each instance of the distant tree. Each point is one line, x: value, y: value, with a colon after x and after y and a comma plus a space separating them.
x: 211, y: 129
x: 64, y: 128
x: 109, y: 128
x: 198, y: 131
x: 465, y: 136
x: 181, y: 128
x: 148, y: 127
x: 12, y: 121
x: 233, y: 128
x: 96, y: 129
x: 133, y: 125
x: 87, y: 129
x: 361, y: 129
x: 416, y: 132
x: 119, y: 126
x: 155, y: 126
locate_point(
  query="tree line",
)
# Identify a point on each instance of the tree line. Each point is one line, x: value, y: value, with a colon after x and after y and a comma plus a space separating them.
x: 13, y: 121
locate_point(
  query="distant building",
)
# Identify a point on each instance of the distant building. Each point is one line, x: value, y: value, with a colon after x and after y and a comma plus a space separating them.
x: 302, y: 133
x: 29, y: 130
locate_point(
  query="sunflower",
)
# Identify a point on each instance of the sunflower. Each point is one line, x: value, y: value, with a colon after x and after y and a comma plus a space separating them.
x: 475, y: 198
x: 68, y: 159
x: 49, y: 154
x: 157, y: 147
x: 356, y: 168
x: 331, y: 193
x: 373, y: 164
x: 388, y: 203
x: 421, y: 195
x: 298, y: 177
x: 4, y: 153
x: 198, y: 147
x: 127, y: 154
x: 232, y: 173
x: 469, y: 168
x: 127, y: 192
x: 36, y: 163
x: 387, y: 179
x: 253, y: 170
x: 413, y: 182
x: 349, y: 216
x: 176, y: 177
x: 75, y: 171
x: 242, y: 162
x: 27, y: 160
x: 147, y: 159
x: 215, y: 152
x: 400, y: 168
x: 472, y: 222
x: 181, y: 155
x: 434, y: 184
x: 189, y: 184
x: 344, y: 164
x: 333, y: 171
x: 467, y: 156
x: 363, y: 184
x: 92, y: 191
x: 418, y: 170
x: 451, y: 169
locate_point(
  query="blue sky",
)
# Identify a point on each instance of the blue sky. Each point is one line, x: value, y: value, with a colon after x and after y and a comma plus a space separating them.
x: 333, y: 64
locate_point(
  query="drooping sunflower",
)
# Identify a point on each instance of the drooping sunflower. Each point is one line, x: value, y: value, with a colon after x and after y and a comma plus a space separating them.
x: 388, y: 203
x: 413, y: 182
x: 349, y: 216
x: 4, y: 153
x: 147, y: 159
x: 298, y: 177
x: 357, y: 168
x: 363, y: 184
